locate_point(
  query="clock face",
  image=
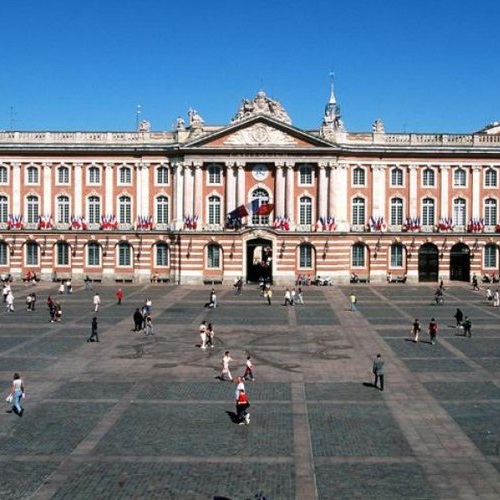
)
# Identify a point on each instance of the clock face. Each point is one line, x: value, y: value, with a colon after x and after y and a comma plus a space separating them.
x: 260, y: 172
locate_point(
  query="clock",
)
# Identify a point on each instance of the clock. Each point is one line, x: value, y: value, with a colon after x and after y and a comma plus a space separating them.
x: 260, y: 172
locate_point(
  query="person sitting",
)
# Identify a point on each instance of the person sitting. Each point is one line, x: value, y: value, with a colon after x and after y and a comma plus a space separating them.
x: 389, y: 278
x: 354, y: 277
x: 486, y: 279
x: 495, y: 278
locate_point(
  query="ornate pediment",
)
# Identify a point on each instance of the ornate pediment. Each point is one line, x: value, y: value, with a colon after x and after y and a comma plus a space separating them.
x: 261, y: 105
x: 259, y: 134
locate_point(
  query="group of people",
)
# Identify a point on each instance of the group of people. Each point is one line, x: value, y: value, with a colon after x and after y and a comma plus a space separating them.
x: 494, y: 298
x: 433, y: 329
x: 8, y: 297
x: 65, y: 287
x: 207, y: 335
x: 31, y: 301
x: 293, y: 296
x: 143, y: 320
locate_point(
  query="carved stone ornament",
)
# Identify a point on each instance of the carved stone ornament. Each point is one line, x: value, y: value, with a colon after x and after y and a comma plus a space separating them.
x: 260, y: 134
x: 261, y: 105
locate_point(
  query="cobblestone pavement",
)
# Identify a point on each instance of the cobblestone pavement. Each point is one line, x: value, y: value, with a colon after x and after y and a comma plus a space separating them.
x: 135, y: 417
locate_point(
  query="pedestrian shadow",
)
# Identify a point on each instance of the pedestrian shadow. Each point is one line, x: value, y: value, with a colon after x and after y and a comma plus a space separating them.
x: 369, y: 384
x: 233, y: 416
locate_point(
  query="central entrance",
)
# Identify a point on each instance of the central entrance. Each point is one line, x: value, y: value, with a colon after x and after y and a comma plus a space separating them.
x: 259, y: 260
x: 428, y: 262
x: 460, y: 262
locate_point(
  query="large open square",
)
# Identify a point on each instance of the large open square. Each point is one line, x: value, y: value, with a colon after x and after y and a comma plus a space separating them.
x: 147, y: 417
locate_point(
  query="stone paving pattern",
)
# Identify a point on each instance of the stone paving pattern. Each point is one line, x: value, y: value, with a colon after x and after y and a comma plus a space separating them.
x: 148, y: 417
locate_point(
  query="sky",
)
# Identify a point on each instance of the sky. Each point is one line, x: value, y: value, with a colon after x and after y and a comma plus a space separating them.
x: 420, y: 66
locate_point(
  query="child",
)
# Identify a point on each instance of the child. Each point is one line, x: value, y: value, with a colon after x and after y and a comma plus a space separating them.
x: 248, y: 375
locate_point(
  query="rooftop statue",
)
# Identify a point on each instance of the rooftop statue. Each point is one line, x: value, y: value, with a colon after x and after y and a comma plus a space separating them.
x: 261, y: 105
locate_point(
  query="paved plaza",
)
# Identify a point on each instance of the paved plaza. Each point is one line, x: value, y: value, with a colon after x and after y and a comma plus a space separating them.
x: 136, y: 417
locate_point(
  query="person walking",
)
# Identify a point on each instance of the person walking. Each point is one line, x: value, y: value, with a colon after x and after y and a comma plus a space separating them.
x: 119, y: 297
x: 138, y: 319
x: 94, y: 337
x: 416, y: 329
x: 203, y: 334
x: 467, y: 324
x: 459, y: 316
x: 9, y: 302
x: 378, y: 371
x: 489, y: 295
x: 248, y: 375
x: 300, y: 297
x: 268, y: 293
x: 475, y: 285
x: 242, y: 405
x: 210, y: 336
x: 240, y: 385
x: 353, y: 300
x: 97, y: 302
x: 16, y: 394
x: 433, y: 330
x: 88, y: 283
x: 496, y: 299
x: 33, y: 301
x: 213, y: 299
x: 288, y: 298
x: 226, y: 372
x: 149, y: 330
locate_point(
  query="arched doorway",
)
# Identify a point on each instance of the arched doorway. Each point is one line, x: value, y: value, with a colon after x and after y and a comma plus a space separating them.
x: 259, y: 260
x: 428, y: 263
x: 460, y: 262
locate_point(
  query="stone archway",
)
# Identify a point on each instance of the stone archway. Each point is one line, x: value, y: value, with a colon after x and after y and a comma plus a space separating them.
x: 460, y: 262
x: 428, y: 263
x: 259, y: 264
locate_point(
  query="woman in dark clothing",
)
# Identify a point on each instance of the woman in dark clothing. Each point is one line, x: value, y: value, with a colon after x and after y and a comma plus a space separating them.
x: 459, y: 316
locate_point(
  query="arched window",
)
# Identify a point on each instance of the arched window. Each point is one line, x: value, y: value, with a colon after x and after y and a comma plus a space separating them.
x: 490, y: 178
x: 31, y: 249
x: 4, y: 254
x: 358, y: 176
x: 214, y: 174
x: 93, y: 210
x: 62, y: 253
x: 124, y: 254
x: 428, y: 212
x: 459, y: 177
x: 459, y: 212
x: 428, y: 177
x: 305, y: 210
x: 396, y: 255
x: 396, y: 177
x: 32, y: 175
x: 396, y: 211
x: 358, y: 255
x: 125, y: 175
x: 259, y: 197
x: 63, y: 175
x: 4, y: 209
x: 93, y: 254
x: 124, y: 210
x: 161, y: 254
x: 358, y: 211
x: 213, y: 256
x: 490, y: 256
x: 214, y: 210
x: 162, y: 175
x: 162, y: 216
x: 32, y: 209
x: 305, y: 175
x: 3, y: 175
x: 305, y: 256
x: 94, y: 175
x: 62, y: 210
x: 490, y: 212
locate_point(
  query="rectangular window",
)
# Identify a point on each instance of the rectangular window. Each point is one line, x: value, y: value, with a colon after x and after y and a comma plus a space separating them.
x: 396, y: 256
x: 490, y: 256
x: 3, y: 254
x: 305, y: 175
x: 124, y: 255
x: 161, y: 255
x: 358, y: 256
x: 32, y: 254
x: 162, y: 175
x: 214, y: 175
x: 62, y: 255
x: 213, y: 257
x: 93, y: 255
x: 305, y: 257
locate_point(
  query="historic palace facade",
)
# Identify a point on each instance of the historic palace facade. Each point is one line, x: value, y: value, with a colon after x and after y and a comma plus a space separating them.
x: 142, y: 205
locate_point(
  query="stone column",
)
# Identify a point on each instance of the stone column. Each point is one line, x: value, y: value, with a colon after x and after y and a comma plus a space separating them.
x: 188, y: 190
x: 17, y: 206
x: 290, y: 192
x: 379, y: 192
x: 78, y: 189
x: 322, y: 191
x: 476, y: 192
x: 138, y: 190
x: 332, y: 191
x: 279, y: 190
x: 146, y: 203
x: 178, y: 195
x: 47, y: 190
x: 445, y: 180
x: 110, y: 206
x: 230, y: 188
x: 240, y: 165
x: 198, y: 189
x: 413, y: 189
x: 340, y: 184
